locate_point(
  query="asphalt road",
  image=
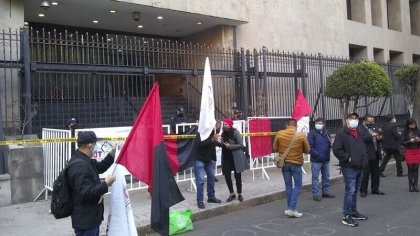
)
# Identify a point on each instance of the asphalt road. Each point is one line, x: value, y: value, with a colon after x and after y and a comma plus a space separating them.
x: 396, y: 213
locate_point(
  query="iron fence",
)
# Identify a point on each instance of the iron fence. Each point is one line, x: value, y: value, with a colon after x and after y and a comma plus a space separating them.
x: 102, y: 79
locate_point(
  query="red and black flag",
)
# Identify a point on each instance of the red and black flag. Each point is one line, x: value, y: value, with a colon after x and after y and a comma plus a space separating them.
x: 181, y: 151
x: 145, y: 156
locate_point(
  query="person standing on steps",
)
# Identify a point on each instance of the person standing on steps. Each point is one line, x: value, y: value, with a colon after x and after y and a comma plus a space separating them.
x: 411, y: 143
x: 350, y: 150
x: 320, y: 144
x: 233, y: 158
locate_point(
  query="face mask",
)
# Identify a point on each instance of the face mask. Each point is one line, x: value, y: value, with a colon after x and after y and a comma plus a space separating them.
x: 353, y: 123
x: 394, y: 121
x: 319, y: 126
x: 370, y: 125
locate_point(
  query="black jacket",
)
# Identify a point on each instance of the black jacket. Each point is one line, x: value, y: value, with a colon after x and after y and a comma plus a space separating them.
x: 87, y: 189
x: 368, y: 140
x: 351, y: 152
x: 407, y: 136
x: 206, y: 151
x: 391, y: 136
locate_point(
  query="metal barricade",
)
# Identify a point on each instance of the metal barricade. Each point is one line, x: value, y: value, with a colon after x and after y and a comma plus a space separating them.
x: 56, y: 156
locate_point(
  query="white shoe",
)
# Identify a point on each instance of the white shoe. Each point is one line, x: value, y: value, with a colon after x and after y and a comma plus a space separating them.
x: 288, y: 212
x: 296, y: 214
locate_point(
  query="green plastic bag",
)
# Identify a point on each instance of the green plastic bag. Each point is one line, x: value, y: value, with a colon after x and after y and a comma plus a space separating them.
x: 180, y: 221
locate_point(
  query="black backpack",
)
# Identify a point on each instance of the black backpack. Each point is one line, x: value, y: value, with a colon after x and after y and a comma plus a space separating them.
x: 61, y: 202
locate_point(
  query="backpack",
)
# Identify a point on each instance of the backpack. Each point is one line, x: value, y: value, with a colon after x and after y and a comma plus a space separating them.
x: 61, y: 202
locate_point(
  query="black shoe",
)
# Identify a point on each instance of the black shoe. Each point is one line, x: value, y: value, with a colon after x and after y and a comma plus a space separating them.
x: 317, y: 198
x: 357, y: 216
x: 363, y: 194
x: 231, y: 197
x: 240, y: 198
x: 415, y: 188
x: 347, y: 220
x: 382, y: 175
x: 328, y: 195
x: 214, y: 200
x: 411, y: 187
x: 216, y: 179
x: 377, y: 192
x: 201, y: 205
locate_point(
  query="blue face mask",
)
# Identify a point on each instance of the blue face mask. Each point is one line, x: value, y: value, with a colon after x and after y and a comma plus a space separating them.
x: 353, y: 123
x: 319, y: 127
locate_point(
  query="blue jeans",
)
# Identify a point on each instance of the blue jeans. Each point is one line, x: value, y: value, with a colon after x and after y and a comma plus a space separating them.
x: 325, y: 172
x: 199, y: 169
x: 292, y: 174
x: 352, y: 179
x: 89, y: 232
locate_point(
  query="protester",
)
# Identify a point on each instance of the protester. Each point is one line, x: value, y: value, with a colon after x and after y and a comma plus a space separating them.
x: 85, y: 186
x: 177, y: 118
x: 233, y: 158
x: 391, y: 144
x: 237, y: 114
x: 411, y: 143
x: 292, y: 170
x: 371, y: 137
x: 350, y: 150
x: 204, y: 163
x: 320, y: 144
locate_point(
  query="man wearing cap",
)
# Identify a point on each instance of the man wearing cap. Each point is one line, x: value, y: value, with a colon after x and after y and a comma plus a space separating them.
x: 85, y: 186
x: 177, y: 118
x: 350, y: 150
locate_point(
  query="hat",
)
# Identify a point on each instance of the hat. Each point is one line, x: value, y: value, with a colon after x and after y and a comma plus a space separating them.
x: 71, y: 121
x: 86, y: 137
x: 352, y: 114
x: 228, y: 121
x: 237, y: 112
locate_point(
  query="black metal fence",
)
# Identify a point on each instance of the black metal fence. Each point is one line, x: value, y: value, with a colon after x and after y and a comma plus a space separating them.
x: 102, y: 79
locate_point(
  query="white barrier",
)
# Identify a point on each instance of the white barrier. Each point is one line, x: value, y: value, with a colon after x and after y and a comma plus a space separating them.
x: 55, y: 156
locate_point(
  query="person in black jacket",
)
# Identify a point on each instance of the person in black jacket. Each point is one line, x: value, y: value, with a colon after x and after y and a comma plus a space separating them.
x: 350, y: 150
x: 411, y: 143
x: 85, y: 186
x: 370, y: 135
x: 205, y: 161
x: 391, y: 144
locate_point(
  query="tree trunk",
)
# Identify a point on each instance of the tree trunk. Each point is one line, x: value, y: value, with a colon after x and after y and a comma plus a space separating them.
x: 416, y: 109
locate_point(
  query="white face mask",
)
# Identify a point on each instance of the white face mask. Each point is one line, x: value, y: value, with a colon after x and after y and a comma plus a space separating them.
x: 319, y: 127
x: 353, y: 123
x: 394, y: 121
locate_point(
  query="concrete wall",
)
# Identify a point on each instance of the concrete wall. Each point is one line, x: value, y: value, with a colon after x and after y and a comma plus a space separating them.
x: 11, y: 14
x: 5, y: 196
x: 221, y: 36
x: 26, y: 172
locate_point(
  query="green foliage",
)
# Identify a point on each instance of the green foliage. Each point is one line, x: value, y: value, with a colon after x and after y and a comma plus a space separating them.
x: 356, y: 80
x: 407, y: 80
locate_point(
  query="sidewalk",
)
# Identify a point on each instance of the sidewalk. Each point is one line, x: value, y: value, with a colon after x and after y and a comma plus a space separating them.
x: 33, y: 218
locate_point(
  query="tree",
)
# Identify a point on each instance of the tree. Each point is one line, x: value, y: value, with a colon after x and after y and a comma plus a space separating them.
x: 407, y: 81
x: 351, y: 82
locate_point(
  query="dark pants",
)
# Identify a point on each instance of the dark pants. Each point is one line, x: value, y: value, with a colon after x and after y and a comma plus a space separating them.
x: 372, y: 171
x: 413, y: 174
x: 398, y: 159
x: 89, y: 232
x: 238, y: 180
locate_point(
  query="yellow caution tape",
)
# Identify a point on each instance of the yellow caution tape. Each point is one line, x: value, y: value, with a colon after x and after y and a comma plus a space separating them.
x: 167, y: 137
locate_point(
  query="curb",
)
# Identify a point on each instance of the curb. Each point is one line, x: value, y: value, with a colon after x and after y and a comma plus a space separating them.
x: 272, y: 197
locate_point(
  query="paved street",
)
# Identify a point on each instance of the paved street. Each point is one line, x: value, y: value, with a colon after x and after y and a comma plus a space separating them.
x: 396, y: 213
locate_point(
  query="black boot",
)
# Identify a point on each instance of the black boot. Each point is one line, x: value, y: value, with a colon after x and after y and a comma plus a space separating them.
x: 415, y: 181
x: 410, y: 181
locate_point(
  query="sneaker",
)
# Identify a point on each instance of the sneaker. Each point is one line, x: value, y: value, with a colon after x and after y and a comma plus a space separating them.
x: 288, y: 212
x: 347, y: 220
x: 296, y: 214
x: 200, y: 205
x: 328, y: 195
x: 357, y: 216
x: 214, y: 200
x: 317, y: 198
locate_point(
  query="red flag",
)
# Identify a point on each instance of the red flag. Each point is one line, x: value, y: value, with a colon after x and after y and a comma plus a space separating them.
x: 144, y: 155
x: 301, y: 108
x: 260, y: 145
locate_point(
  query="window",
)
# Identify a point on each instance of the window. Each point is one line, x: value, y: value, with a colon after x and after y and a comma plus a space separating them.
x: 378, y: 55
x: 415, y: 17
x: 394, y: 14
x: 376, y: 9
x: 357, y: 52
x: 356, y: 10
x: 396, y: 57
x: 416, y: 59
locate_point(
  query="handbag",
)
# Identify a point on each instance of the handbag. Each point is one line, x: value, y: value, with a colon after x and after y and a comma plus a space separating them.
x: 279, y: 159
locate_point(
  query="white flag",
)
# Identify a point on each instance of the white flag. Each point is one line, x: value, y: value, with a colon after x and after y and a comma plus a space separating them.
x: 207, y: 120
x: 120, y: 218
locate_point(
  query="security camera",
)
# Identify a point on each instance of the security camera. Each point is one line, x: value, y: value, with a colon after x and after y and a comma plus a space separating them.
x: 44, y: 5
x: 136, y: 16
